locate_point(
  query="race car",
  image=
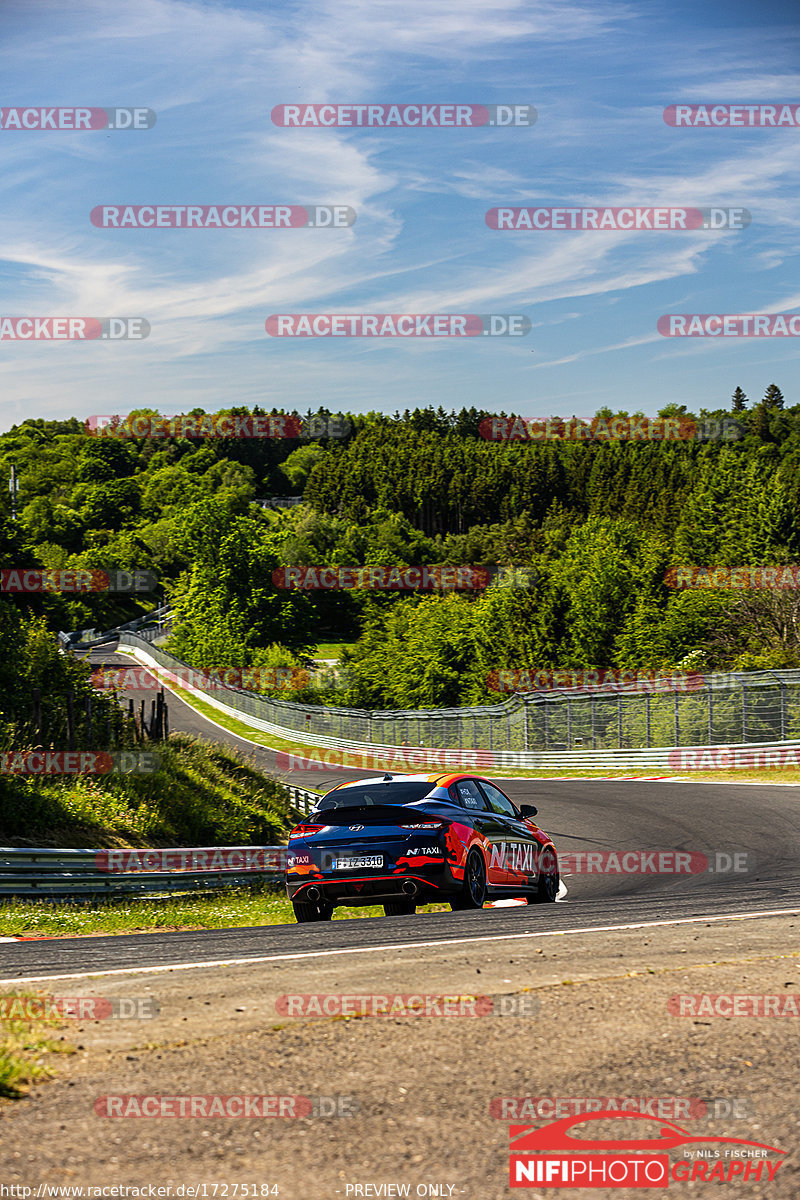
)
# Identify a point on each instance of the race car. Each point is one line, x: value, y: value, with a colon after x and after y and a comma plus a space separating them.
x: 405, y: 840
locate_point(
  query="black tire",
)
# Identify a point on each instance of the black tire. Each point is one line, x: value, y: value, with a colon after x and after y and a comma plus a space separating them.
x: 400, y: 908
x: 549, y: 881
x: 305, y: 911
x: 473, y: 889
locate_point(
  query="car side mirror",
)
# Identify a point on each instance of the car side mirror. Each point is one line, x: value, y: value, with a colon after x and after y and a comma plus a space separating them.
x: 528, y: 810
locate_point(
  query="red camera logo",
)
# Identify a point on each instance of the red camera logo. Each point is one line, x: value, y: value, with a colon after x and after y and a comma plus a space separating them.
x: 552, y: 1156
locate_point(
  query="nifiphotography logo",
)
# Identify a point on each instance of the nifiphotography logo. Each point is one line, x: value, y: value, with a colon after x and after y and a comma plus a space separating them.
x: 552, y: 1156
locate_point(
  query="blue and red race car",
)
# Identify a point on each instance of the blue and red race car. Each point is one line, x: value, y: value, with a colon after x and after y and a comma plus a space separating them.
x: 405, y: 840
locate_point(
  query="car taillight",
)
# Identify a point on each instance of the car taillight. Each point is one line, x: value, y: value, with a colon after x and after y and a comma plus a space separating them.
x: 305, y: 830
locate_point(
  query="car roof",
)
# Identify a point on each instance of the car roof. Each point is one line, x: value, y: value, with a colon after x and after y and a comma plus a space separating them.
x: 438, y: 778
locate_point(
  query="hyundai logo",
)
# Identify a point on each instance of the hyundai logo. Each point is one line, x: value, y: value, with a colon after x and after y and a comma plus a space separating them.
x: 355, y: 828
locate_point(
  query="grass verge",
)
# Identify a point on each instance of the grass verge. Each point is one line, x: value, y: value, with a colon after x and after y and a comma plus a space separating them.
x: 25, y: 1044
x: 201, y: 794
x: 227, y: 910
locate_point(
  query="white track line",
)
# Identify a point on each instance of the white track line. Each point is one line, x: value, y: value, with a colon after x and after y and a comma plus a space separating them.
x: 500, y: 937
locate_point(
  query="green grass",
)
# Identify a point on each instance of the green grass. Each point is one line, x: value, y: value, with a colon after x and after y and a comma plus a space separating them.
x: 24, y: 1044
x: 225, y: 910
x: 298, y: 746
x: 332, y: 649
x: 202, y: 794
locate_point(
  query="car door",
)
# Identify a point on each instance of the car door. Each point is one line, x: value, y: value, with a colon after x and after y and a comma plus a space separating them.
x: 521, y: 847
x: 469, y: 795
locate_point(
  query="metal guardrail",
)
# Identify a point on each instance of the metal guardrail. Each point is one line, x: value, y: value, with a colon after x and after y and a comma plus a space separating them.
x: 60, y: 874
x: 353, y: 753
x: 74, y: 640
x: 753, y: 708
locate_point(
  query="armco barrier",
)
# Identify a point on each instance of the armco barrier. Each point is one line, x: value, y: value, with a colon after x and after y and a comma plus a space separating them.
x: 375, y: 756
x: 31, y: 873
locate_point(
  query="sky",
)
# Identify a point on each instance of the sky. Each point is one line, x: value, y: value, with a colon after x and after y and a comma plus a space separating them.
x: 599, y: 75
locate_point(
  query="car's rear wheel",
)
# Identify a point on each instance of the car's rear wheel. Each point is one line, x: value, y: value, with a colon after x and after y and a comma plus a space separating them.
x: 549, y: 879
x: 473, y: 889
x: 399, y: 908
x: 306, y: 911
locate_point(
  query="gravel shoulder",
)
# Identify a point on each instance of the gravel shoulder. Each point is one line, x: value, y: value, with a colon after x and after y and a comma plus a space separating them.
x: 423, y: 1086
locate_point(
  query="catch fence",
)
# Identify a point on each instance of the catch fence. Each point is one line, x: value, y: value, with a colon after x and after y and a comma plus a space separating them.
x: 727, y: 709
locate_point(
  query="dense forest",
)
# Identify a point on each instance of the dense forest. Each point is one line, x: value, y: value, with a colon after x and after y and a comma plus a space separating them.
x: 597, y: 522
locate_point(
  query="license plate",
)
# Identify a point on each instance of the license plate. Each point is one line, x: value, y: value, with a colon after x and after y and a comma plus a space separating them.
x: 352, y: 862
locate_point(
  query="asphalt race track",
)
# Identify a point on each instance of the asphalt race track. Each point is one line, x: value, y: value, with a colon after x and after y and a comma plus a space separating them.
x: 761, y: 821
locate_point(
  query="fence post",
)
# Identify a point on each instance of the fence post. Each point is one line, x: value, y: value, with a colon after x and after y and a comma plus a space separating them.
x: 619, y: 720
x: 710, y: 716
x: 783, y: 712
x: 677, y: 720
x: 647, y: 720
x: 744, y: 713
x: 569, y: 723
x: 594, y: 708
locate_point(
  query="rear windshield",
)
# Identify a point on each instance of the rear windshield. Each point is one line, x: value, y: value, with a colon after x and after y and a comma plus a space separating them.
x: 375, y: 793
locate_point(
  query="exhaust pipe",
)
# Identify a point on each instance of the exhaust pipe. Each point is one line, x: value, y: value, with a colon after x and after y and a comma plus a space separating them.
x: 410, y: 888
x: 313, y: 893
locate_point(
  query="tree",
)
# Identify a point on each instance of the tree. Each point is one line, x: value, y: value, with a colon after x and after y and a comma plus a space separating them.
x: 738, y: 401
x: 773, y: 397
